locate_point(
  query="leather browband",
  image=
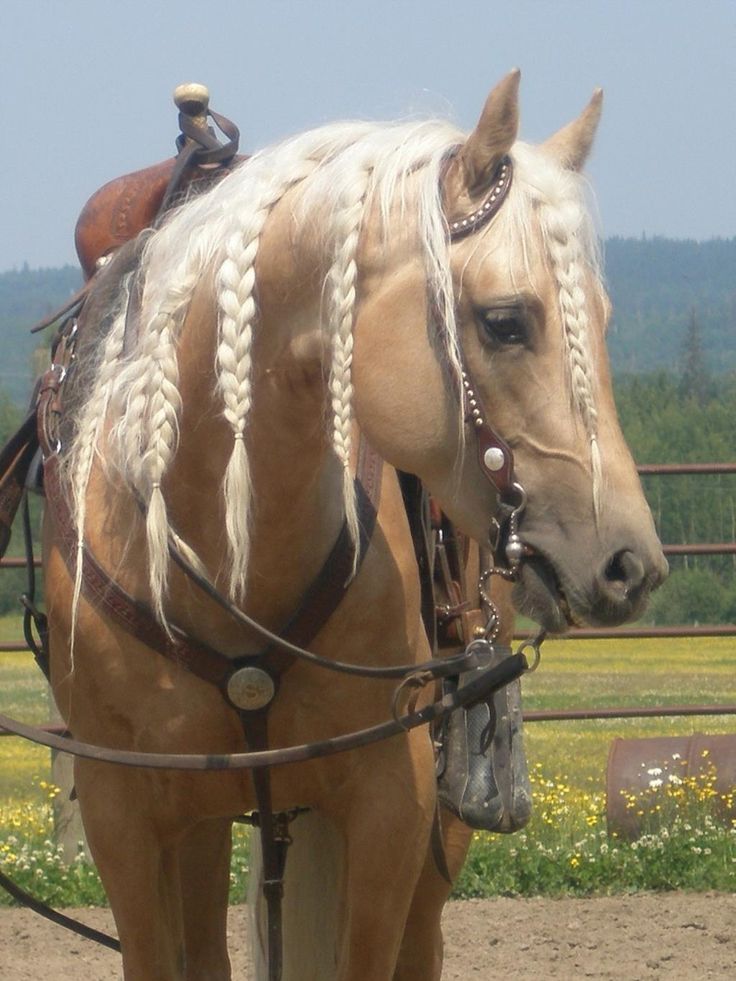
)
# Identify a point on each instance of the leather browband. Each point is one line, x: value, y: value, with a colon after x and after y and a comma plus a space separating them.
x: 467, y: 224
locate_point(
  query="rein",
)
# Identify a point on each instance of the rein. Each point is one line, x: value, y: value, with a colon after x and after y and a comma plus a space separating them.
x: 488, y: 681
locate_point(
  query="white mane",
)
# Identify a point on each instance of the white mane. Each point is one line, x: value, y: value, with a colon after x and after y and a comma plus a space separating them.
x: 355, y: 168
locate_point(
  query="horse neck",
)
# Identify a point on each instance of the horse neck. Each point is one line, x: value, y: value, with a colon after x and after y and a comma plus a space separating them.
x: 296, y: 482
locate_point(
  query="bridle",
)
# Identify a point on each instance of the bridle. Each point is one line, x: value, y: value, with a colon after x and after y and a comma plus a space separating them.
x: 247, y: 684
x: 495, y: 457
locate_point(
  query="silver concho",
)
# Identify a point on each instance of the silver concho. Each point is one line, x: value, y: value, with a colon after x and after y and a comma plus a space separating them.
x: 250, y: 688
x: 494, y: 458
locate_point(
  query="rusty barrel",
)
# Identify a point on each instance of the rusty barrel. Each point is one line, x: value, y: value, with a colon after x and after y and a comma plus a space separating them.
x: 644, y: 770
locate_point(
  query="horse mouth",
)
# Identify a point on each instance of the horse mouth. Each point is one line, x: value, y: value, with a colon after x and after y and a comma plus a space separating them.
x: 540, y: 595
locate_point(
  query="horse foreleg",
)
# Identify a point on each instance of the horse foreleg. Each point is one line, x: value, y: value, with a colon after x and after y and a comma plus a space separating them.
x: 139, y: 870
x: 204, y: 870
x: 386, y: 836
x: 421, y: 955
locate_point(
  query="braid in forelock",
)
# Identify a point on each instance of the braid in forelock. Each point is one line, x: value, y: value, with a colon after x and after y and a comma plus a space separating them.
x: 236, y: 284
x: 566, y: 263
x: 342, y: 280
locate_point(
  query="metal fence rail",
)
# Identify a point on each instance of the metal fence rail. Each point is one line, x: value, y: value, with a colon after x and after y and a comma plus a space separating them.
x: 635, y: 712
x: 608, y: 633
x: 594, y: 633
x: 647, y: 469
x: 558, y: 715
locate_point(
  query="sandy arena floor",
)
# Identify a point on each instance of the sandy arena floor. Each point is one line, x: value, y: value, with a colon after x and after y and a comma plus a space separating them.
x: 670, y: 936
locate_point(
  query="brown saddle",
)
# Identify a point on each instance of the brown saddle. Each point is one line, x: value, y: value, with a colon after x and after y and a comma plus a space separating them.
x: 122, y: 208
x: 113, y: 216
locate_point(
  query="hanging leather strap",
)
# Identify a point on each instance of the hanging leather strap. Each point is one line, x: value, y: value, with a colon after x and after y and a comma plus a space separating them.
x: 15, y: 459
x: 274, y: 836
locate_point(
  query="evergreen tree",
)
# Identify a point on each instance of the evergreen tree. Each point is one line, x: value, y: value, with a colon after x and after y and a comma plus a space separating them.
x: 695, y: 382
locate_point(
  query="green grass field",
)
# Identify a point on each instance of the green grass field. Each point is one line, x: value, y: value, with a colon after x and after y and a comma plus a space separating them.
x: 576, y: 674
x: 573, y: 674
x: 565, y: 848
x: 23, y: 695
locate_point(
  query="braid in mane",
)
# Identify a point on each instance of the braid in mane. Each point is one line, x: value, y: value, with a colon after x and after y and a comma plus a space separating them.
x: 162, y: 428
x: 147, y: 402
x: 342, y: 279
x: 546, y: 210
x: 236, y: 280
x: 78, y: 466
x: 566, y: 259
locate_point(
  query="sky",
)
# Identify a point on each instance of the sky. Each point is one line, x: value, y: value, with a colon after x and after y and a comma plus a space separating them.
x: 85, y: 92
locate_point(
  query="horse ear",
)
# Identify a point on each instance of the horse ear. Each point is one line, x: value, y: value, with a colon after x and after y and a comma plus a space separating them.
x: 492, y: 138
x: 571, y: 145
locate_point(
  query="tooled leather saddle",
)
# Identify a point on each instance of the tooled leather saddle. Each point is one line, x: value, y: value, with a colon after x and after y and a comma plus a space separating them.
x: 114, y: 215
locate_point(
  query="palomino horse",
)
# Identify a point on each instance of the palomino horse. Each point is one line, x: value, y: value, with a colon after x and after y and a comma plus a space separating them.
x: 339, y: 283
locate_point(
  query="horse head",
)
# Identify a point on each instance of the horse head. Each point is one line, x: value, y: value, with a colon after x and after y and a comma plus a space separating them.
x: 518, y: 301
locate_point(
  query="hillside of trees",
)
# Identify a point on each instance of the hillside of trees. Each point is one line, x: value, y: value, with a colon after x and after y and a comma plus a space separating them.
x: 673, y: 351
x: 687, y: 417
x: 27, y: 295
x: 654, y: 285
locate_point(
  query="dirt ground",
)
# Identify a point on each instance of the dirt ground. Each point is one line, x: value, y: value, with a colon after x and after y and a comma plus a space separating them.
x: 670, y: 936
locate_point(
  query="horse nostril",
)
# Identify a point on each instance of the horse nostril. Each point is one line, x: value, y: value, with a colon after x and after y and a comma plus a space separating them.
x: 622, y: 574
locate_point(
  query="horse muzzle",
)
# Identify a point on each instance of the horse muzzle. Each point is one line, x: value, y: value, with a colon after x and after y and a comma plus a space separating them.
x: 616, y: 593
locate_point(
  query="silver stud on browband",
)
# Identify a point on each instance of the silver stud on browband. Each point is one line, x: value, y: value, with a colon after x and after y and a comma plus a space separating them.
x: 472, y: 403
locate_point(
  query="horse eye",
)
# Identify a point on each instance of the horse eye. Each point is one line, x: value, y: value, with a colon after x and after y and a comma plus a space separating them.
x: 503, y: 327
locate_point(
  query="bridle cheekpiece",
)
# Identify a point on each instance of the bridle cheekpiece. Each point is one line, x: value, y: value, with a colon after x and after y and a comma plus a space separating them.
x: 495, y: 457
